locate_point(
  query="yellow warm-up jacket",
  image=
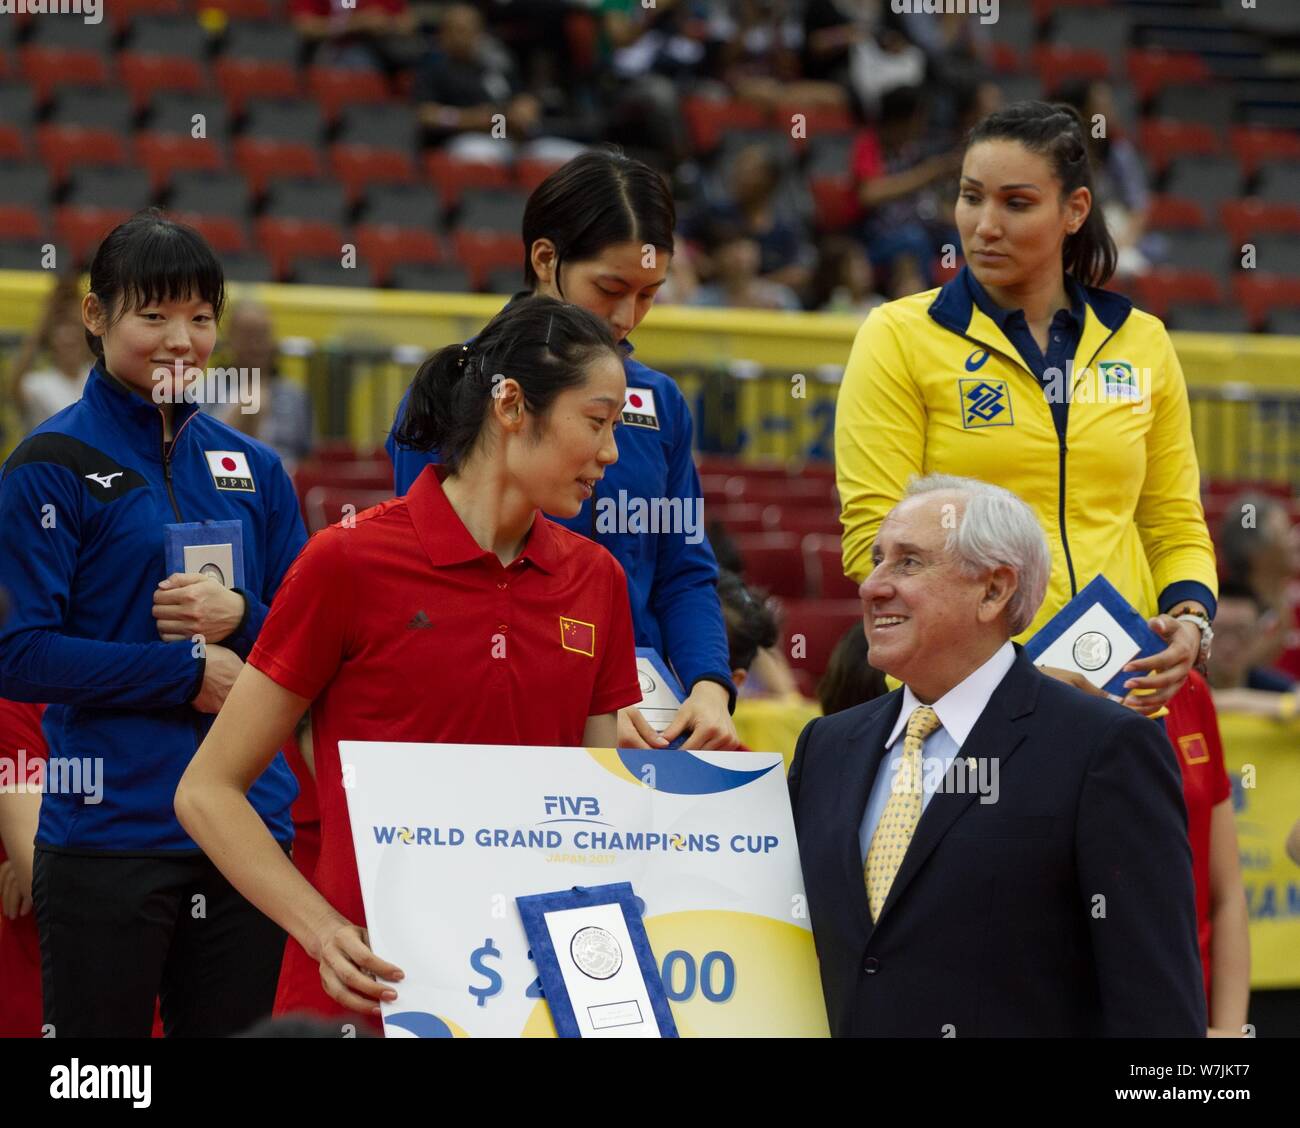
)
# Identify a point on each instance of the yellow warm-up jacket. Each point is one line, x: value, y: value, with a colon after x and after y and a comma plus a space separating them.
x: 934, y: 385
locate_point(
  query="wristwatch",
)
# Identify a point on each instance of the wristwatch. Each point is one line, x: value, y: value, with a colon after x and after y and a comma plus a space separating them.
x: 1207, y: 633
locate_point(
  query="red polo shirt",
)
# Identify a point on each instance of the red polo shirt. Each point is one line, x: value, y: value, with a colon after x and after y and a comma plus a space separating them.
x: 402, y: 628
x: 1193, y: 727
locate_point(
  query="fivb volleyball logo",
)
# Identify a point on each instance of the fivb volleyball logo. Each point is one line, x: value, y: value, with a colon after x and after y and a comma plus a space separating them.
x: 91, y: 11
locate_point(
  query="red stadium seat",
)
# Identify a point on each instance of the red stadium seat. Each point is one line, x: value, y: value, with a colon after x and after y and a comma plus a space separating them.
x: 21, y: 221
x: 335, y: 87
x: 745, y: 518
x: 13, y: 142
x: 357, y: 166
x: 262, y: 160
x: 375, y: 475
x: 812, y: 627
x: 1253, y: 145
x: 835, y: 202
x: 805, y: 493
x: 451, y: 176
x: 1174, y: 212
x: 383, y: 246
x: 145, y: 75
x: 225, y: 234
x: 731, y: 466
x: 707, y: 119
x: 123, y: 12
x: 242, y: 79
x: 772, y: 562
x: 284, y: 240
x: 65, y: 147
x: 48, y: 68
x: 163, y: 154
x: 823, y: 564
x: 531, y: 171
x: 803, y: 521
x: 817, y: 121
x: 244, y: 9
x: 1158, y: 288
x: 1151, y: 71
x: 713, y: 488
x: 1165, y: 141
x: 1261, y: 294
x: 343, y: 450
x: 1057, y: 64
x: 80, y: 230
x: 1246, y: 219
x: 325, y: 505
x: 481, y: 252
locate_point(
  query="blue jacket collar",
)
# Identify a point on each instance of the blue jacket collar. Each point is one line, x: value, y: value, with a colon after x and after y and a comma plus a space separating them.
x: 955, y: 302
x: 137, y: 416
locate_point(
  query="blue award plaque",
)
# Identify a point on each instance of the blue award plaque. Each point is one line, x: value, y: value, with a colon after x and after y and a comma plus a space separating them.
x: 593, y: 957
x: 211, y: 548
x: 1096, y: 634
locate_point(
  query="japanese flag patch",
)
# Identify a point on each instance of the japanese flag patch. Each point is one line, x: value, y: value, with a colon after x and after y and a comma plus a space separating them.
x: 229, y: 469
x: 639, y: 409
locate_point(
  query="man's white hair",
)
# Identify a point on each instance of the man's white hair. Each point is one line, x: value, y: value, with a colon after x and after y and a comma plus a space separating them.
x: 996, y: 528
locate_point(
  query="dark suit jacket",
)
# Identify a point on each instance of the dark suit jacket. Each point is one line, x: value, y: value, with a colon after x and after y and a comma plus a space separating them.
x: 1064, y: 908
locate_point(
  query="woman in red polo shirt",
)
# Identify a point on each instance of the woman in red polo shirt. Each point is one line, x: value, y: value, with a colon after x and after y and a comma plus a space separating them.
x: 432, y: 617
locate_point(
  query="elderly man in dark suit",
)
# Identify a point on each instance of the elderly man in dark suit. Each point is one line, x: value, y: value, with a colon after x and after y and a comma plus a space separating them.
x: 989, y: 851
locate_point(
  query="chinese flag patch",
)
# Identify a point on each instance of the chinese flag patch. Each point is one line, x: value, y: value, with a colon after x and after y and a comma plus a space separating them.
x: 578, y: 636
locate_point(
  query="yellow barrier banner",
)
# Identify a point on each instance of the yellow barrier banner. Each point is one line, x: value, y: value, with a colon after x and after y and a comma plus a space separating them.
x: 1263, y: 761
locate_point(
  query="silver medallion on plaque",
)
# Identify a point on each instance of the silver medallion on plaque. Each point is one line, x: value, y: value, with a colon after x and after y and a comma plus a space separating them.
x: 1091, y: 650
x: 596, y: 952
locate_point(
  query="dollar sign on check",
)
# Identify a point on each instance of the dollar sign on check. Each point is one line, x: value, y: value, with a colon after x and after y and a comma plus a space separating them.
x: 476, y: 962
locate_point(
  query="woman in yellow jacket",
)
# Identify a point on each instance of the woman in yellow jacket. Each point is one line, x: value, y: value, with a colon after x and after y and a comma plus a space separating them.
x: 1021, y: 371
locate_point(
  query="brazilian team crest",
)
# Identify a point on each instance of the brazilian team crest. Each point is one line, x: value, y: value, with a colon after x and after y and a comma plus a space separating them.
x: 985, y: 403
x: 1119, y: 381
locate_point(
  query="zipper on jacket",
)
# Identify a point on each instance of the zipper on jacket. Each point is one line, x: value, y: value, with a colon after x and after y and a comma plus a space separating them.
x: 167, y: 458
x: 1063, y: 447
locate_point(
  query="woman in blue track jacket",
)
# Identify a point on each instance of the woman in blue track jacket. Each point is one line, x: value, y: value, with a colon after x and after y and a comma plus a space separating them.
x: 133, y: 661
x: 598, y: 232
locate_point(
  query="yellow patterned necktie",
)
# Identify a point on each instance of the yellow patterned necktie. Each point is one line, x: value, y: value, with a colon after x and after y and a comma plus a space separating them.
x: 901, y: 814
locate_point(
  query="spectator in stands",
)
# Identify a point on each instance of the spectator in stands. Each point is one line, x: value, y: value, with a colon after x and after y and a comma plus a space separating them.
x: 785, y: 254
x: 284, y: 417
x: 971, y: 382
x: 1121, y: 189
x: 1261, y: 552
x: 652, y: 54
x: 1221, y: 922
x: 599, y: 233
x: 843, y: 281
x: 751, y: 626
x: 1239, y: 626
x: 757, y: 44
x: 366, y: 34
x: 42, y: 392
x: 849, y: 678
x: 468, y: 80
x: 132, y: 661
x: 897, y: 179
x: 849, y: 41
x: 735, y: 258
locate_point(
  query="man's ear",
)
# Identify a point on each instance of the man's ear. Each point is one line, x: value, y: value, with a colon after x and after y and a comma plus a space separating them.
x: 1001, y: 585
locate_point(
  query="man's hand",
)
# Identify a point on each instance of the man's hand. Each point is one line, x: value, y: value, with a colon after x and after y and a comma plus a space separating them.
x: 705, y: 714
x: 219, y: 674
x: 186, y: 604
x: 634, y: 731
x: 1174, y: 663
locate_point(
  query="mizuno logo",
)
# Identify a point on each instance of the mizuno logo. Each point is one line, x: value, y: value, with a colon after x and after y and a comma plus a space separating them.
x: 419, y: 621
x: 105, y: 480
x: 976, y: 360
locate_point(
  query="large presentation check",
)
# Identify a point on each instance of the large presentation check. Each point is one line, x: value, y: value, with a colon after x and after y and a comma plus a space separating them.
x: 447, y: 836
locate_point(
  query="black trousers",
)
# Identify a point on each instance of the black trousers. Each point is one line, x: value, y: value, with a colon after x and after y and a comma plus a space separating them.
x: 118, y: 932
